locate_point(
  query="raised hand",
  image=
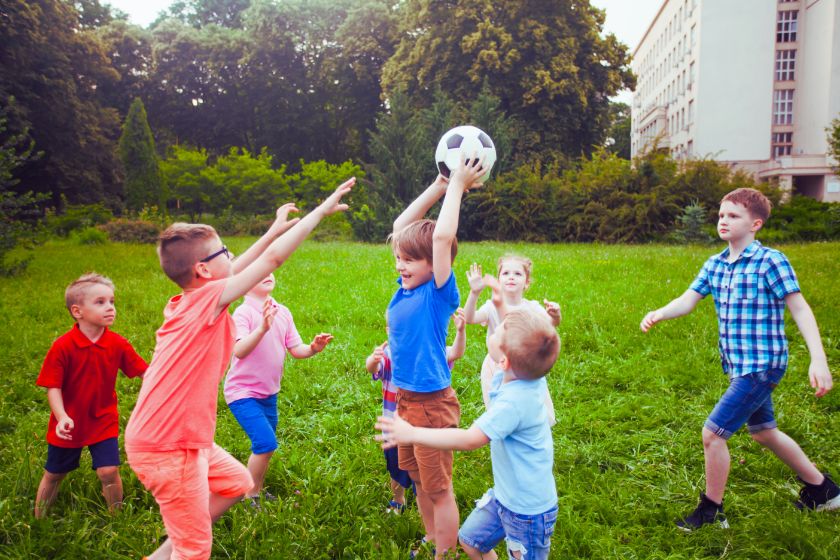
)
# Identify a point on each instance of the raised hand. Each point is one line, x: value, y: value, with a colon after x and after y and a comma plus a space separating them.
x: 269, y: 312
x: 320, y: 342
x: 333, y: 202
x: 475, y: 279
x: 468, y: 172
x: 281, y: 221
x: 553, y: 310
x: 379, y: 353
x: 460, y: 319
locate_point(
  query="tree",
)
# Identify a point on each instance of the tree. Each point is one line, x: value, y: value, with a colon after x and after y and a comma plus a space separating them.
x: 184, y: 175
x: 143, y: 185
x: 834, y: 142
x: 618, y: 136
x: 546, y: 61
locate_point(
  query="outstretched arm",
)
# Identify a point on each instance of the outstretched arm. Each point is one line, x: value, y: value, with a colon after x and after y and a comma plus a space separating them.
x: 471, y: 314
x: 683, y: 305
x: 818, y: 371
x: 417, y: 209
x: 396, y: 431
x: 280, y: 226
x: 282, y: 247
x: 303, y: 351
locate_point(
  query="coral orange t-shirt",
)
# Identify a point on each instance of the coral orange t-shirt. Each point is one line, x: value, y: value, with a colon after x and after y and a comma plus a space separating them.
x: 176, y: 408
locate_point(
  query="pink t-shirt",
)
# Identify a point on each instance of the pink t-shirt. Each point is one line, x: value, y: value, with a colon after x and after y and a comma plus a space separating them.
x: 176, y: 408
x: 258, y: 374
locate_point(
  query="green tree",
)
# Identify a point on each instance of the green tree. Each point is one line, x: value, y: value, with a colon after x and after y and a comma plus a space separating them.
x: 618, y: 136
x: 143, y: 184
x: 546, y: 61
x: 691, y: 224
x: 834, y: 142
x: 184, y: 175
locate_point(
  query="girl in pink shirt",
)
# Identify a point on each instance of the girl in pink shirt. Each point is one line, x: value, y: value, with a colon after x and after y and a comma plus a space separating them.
x: 265, y: 330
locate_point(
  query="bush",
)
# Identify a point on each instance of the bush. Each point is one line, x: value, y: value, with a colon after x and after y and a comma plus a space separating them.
x: 89, y: 236
x: 76, y: 217
x: 131, y: 231
x: 803, y: 219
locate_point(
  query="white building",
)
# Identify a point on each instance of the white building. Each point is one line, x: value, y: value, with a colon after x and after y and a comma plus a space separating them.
x: 754, y: 83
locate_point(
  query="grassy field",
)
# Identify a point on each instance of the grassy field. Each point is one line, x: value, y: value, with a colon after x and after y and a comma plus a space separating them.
x: 628, y: 457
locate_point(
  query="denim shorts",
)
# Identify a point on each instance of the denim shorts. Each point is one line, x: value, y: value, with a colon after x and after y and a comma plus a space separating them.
x: 258, y: 417
x: 490, y: 522
x: 105, y: 453
x: 748, y: 400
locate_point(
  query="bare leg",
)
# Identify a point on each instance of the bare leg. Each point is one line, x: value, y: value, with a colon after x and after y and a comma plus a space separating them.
x: 716, y: 452
x: 790, y: 453
x: 258, y: 466
x: 426, y: 507
x: 398, y: 492
x: 47, y: 492
x: 112, y: 487
x: 476, y: 554
x: 445, y: 512
x: 164, y: 551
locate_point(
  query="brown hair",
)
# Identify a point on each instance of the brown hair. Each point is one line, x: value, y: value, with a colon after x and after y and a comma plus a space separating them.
x: 524, y: 261
x: 415, y: 241
x: 180, y: 246
x: 754, y: 201
x: 529, y: 341
x: 78, y: 288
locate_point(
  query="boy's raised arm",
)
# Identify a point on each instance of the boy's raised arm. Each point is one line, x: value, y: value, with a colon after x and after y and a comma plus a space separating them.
x: 476, y: 282
x: 279, y: 227
x: 818, y: 371
x: 683, y: 305
x: 459, y: 345
x: 417, y: 209
x: 282, y: 247
x: 396, y: 431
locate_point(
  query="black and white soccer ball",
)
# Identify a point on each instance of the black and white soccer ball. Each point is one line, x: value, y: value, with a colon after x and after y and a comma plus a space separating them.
x: 469, y: 141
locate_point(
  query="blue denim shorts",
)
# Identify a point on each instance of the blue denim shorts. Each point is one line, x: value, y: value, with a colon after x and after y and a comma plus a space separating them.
x: 105, y: 453
x: 490, y: 522
x: 748, y: 400
x: 258, y: 417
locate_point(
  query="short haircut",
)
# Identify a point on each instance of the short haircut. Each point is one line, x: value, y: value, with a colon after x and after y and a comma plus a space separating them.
x: 754, y: 201
x: 524, y: 261
x: 415, y: 241
x: 78, y: 288
x: 529, y: 341
x: 180, y: 246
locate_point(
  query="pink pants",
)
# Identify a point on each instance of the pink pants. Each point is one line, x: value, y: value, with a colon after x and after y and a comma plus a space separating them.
x: 181, y: 482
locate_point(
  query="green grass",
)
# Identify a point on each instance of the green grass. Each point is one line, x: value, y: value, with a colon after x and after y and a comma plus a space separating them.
x: 628, y: 457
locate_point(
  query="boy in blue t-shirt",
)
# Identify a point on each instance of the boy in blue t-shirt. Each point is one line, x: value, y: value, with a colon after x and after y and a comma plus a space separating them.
x: 418, y: 318
x: 521, y: 449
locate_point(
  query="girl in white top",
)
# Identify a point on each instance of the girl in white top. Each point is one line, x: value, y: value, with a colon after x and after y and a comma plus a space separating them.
x: 514, y: 276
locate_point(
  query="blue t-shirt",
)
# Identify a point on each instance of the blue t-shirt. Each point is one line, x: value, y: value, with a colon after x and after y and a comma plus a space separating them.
x: 521, y: 448
x: 418, y: 320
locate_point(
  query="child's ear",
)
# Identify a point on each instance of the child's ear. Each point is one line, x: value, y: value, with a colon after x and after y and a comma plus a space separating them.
x: 201, y: 270
x: 504, y: 363
x: 757, y: 224
x: 76, y: 311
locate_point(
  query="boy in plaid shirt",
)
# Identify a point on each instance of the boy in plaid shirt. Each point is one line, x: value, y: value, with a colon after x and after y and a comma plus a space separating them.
x: 751, y: 285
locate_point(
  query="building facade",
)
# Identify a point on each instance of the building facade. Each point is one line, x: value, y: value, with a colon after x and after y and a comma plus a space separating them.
x: 753, y: 83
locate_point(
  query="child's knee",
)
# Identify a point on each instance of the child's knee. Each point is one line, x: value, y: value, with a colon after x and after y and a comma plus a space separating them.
x: 53, y: 478
x: 108, y: 475
x: 710, y: 439
x: 764, y: 437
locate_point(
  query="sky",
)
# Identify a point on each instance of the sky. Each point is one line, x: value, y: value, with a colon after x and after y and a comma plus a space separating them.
x: 627, y: 19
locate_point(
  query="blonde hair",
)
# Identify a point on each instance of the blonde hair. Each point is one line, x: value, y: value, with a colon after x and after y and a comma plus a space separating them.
x: 78, y: 288
x: 524, y: 261
x: 180, y: 246
x: 758, y: 205
x: 529, y: 342
x: 415, y: 241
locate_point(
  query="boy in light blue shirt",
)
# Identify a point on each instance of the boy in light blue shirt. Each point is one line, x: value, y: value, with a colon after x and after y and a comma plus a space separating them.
x: 522, y: 505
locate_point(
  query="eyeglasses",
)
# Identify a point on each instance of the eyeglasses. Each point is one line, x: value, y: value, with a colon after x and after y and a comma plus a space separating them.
x: 209, y: 258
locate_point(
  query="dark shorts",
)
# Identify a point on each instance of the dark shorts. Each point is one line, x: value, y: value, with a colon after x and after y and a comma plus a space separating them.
x: 393, y: 464
x: 258, y: 417
x: 430, y: 467
x: 748, y: 400
x: 105, y: 453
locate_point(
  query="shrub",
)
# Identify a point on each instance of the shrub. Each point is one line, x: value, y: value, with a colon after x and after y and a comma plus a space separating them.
x: 131, y: 231
x: 803, y: 219
x: 78, y: 216
x: 89, y: 236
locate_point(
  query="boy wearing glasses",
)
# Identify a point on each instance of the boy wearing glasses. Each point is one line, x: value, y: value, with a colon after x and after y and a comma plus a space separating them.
x: 169, y: 437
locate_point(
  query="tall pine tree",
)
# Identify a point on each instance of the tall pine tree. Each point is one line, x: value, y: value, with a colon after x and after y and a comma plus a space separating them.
x: 143, y: 184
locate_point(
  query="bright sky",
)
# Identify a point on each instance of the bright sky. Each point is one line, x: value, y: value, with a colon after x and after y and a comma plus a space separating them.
x: 627, y: 19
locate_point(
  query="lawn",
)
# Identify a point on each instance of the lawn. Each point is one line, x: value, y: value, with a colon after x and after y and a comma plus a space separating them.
x: 628, y: 457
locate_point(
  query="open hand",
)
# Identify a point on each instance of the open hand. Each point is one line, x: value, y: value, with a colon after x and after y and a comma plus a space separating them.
x: 468, y: 172
x: 333, y: 203
x: 553, y: 310
x: 650, y: 319
x: 474, y: 278
x: 64, y: 427
x: 320, y: 342
x: 281, y: 221
x: 395, y: 431
x: 269, y: 312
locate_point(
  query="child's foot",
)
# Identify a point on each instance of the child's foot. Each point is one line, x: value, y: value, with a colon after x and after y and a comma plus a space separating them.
x: 268, y: 497
x: 706, y: 511
x: 424, y: 545
x: 395, y: 507
x: 819, y: 497
x: 253, y: 502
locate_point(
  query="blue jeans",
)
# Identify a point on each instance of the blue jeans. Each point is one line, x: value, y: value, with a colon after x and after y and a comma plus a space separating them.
x: 490, y: 522
x: 748, y: 400
x: 258, y: 417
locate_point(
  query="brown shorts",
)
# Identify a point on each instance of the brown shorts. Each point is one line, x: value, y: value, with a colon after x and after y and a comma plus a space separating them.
x: 432, y: 468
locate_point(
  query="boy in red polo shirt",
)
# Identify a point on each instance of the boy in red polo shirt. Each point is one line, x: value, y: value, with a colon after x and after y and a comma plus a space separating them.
x: 80, y: 373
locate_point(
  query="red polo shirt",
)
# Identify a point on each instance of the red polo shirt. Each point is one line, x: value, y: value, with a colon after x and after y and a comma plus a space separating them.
x: 86, y: 373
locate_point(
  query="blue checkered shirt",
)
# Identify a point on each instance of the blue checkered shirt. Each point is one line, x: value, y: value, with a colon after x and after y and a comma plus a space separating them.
x: 749, y: 299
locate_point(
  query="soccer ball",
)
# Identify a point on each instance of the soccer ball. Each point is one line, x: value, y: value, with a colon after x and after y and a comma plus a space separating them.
x: 466, y: 140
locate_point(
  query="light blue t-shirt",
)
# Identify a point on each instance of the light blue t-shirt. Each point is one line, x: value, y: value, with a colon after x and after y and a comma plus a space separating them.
x: 521, y: 448
x: 418, y: 321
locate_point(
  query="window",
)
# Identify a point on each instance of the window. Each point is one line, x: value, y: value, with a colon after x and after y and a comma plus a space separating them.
x: 783, y: 106
x: 690, y: 151
x: 690, y: 75
x: 782, y: 144
x: 785, y: 62
x: 693, y: 34
x: 786, y: 26
x: 682, y: 118
x: 691, y: 111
